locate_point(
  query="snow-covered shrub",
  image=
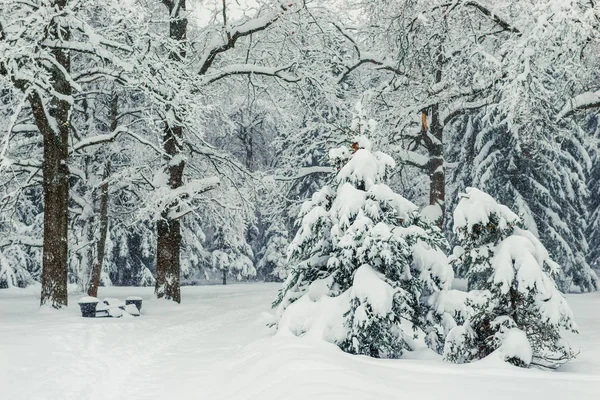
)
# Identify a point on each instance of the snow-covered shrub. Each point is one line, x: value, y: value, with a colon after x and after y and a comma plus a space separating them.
x: 361, y: 240
x: 513, y: 306
x: 13, y: 272
x: 232, y: 256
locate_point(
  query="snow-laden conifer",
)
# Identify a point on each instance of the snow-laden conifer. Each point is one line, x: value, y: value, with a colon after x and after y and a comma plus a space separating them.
x: 368, y: 247
x: 514, y: 306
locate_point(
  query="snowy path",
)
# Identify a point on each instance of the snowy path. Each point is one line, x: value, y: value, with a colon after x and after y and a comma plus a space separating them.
x: 215, y: 346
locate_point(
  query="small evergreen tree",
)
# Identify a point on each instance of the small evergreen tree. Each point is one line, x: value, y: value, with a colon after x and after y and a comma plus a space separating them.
x: 513, y: 305
x: 360, y: 239
x: 271, y: 258
x: 231, y: 256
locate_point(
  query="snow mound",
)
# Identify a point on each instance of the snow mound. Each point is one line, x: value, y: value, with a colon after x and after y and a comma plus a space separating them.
x: 318, y: 320
x: 516, y: 346
x: 132, y: 310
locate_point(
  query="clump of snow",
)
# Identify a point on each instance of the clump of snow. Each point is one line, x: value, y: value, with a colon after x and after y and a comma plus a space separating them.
x: 475, y: 208
x: 115, y: 312
x: 432, y: 262
x: 114, y: 302
x: 88, y: 299
x: 133, y: 298
x: 369, y: 287
x: 365, y: 168
x: 432, y: 212
x: 320, y: 320
x: 132, y: 310
x: 385, y: 194
x: 515, y: 345
x: 320, y: 288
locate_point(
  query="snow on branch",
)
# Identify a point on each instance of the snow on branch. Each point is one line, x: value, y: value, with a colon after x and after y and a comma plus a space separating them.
x: 21, y: 240
x: 583, y: 101
x: 89, y: 49
x: 464, y: 108
x: 249, y: 69
x: 233, y: 34
x: 486, y: 10
x: 111, y: 137
x: 363, y: 58
x: 413, y: 158
x: 178, y: 201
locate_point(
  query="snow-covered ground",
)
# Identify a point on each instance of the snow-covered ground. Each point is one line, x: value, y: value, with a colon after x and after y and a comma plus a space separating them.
x: 216, y: 346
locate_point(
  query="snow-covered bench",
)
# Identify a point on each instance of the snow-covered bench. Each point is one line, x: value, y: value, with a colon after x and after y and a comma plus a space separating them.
x: 91, y: 307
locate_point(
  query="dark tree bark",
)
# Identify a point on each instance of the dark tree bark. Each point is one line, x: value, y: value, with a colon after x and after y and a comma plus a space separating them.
x: 168, y: 244
x: 433, y: 138
x: 168, y: 267
x: 437, y: 176
x: 101, y: 246
x: 56, y: 175
x: 224, y: 277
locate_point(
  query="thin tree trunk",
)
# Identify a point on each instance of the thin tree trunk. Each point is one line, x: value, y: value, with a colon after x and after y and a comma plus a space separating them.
x: 101, y: 246
x: 437, y: 176
x: 224, y: 277
x: 56, y: 176
x: 168, y: 244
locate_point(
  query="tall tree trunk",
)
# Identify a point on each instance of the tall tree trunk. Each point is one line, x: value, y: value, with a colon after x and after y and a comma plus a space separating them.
x: 224, y: 277
x: 101, y: 246
x: 434, y: 142
x: 168, y: 244
x: 437, y: 176
x: 56, y: 175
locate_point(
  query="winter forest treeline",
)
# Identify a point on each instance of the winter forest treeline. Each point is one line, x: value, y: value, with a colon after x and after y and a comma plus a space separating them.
x: 160, y: 142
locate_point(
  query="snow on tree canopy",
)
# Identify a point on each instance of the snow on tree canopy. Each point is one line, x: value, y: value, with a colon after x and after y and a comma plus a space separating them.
x: 514, y: 305
x: 370, y: 249
x: 365, y: 168
x: 475, y: 208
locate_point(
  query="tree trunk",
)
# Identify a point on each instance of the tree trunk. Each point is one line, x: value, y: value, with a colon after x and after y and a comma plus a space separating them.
x: 224, y: 277
x: 435, y: 148
x: 101, y: 246
x: 168, y: 244
x: 56, y: 175
x: 437, y: 176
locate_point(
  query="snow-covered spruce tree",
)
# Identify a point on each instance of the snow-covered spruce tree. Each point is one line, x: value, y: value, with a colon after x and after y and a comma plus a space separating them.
x: 362, y: 242
x: 513, y: 305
